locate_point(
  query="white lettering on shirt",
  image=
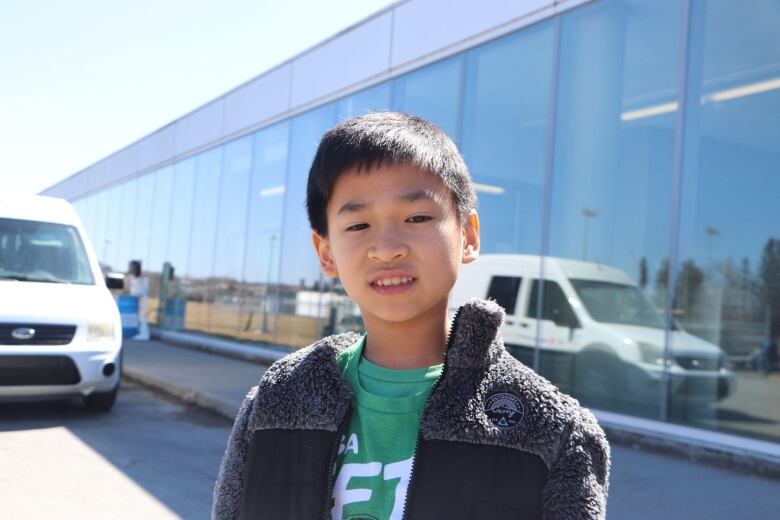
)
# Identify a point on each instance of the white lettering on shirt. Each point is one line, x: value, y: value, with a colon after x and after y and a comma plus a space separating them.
x: 343, y: 496
x: 403, y: 470
x: 352, y: 444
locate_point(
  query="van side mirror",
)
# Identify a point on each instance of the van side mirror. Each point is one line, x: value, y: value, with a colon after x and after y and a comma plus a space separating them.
x: 115, y: 281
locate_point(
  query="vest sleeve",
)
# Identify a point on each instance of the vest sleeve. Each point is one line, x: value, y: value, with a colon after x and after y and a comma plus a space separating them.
x: 578, y: 481
x: 232, y: 471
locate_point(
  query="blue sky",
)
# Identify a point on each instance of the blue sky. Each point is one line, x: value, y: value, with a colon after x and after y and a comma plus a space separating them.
x: 82, y: 79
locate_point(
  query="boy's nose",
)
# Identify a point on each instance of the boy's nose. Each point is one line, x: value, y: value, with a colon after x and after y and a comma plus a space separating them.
x: 388, y: 251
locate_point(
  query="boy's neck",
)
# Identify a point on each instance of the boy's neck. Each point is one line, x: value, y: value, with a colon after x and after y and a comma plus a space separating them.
x: 417, y: 343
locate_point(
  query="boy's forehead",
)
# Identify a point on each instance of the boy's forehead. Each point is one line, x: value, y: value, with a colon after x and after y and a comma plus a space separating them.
x: 392, y: 181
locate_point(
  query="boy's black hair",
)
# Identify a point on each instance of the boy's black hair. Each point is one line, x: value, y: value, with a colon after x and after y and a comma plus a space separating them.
x: 385, y: 137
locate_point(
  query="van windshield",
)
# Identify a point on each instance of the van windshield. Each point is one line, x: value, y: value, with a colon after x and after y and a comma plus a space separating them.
x: 34, y: 251
x: 616, y: 303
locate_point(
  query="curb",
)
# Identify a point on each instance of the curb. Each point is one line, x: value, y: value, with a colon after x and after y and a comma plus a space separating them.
x: 187, y: 395
x: 260, y: 354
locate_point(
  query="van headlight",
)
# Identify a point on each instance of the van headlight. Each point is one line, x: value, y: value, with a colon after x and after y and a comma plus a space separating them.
x: 100, y: 330
x: 652, y: 354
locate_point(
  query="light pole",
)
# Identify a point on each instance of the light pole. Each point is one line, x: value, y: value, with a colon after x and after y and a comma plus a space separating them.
x: 587, y: 213
x: 271, y: 239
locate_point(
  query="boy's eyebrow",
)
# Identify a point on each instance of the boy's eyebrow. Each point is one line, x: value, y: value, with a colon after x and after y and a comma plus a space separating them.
x: 412, y: 196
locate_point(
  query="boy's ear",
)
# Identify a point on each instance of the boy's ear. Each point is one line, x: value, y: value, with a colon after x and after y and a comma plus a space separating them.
x: 325, y: 255
x: 471, y: 238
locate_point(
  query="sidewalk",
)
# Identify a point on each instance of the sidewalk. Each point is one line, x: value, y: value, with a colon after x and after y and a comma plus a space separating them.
x: 215, y: 382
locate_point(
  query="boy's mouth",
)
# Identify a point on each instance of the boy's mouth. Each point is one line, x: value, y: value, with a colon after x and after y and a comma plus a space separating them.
x: 393, y: 285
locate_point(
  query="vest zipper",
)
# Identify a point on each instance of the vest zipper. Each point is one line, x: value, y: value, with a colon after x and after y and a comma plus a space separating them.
x: 332, y: 464
x: 450, y: 338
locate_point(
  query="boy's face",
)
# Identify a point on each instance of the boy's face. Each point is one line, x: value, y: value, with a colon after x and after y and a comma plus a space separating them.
x: 395, y: 222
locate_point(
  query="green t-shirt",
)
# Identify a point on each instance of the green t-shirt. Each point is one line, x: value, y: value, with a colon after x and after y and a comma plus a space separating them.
x: 374, y: 460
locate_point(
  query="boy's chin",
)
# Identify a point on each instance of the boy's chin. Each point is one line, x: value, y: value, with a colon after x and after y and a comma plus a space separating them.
x: 399, y: 312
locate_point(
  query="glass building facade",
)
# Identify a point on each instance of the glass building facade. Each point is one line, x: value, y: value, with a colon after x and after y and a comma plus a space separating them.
x: 627, y: 150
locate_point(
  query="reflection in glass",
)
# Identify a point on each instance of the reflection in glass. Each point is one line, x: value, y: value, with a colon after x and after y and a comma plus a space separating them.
x: 303, y: 308
x: 505, y: 125
x: 264, y: 230
x: 726, y: 279
x: 610, y: 205
x: 231, y: 236
x: 143, y: 220
x: 124, y: 240
x: 112, y: 227
x: 161, y: 215
x: 432, y: 93
x: 204, y: 225
x: 367, y: 100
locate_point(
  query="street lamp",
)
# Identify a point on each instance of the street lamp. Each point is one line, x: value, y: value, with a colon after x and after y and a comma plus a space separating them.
x: 587, y: 213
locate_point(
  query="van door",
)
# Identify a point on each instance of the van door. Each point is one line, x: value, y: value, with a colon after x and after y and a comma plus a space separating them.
x: 559, y: 331
x: 506, y: 290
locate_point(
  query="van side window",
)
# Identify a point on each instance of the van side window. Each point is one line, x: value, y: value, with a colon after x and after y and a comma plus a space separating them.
x: 555, y: 307
x: 504, y: 289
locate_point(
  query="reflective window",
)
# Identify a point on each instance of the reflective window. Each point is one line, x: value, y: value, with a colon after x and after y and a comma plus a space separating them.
x: 610, y: 195
x: 161, y: 219
x: 302, y: 310
x: 181, y: 216
x: 100, y: 239
x: 727, y: 277
x: 368, y: 100
x: 231, y: 235
x: 124, y: 239
x: 432, y: 93
x: 505, y: 126
x: 111, y: 241
x: 204, y: 224
x: 143, y: 220
x: 264, y: 231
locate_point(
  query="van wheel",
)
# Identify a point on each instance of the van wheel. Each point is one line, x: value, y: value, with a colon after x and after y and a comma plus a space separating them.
x: 101, y: 401
x: 599, y: 380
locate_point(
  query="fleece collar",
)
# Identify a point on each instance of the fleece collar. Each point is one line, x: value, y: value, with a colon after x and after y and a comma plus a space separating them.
x: 306, y: 390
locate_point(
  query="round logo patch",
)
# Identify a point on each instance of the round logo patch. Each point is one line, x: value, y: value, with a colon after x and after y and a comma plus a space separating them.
x: 504, y: 410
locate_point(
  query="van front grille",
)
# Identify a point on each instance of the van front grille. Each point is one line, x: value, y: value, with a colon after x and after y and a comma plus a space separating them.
x: 38, y: 370
x: 44, y: 334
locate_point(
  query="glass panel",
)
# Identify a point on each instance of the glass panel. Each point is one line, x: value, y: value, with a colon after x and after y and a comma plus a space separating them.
x: 727, y: 296
x: 264, y: 230
x: 231, y: 236
x: 180, y: 232
x: 368, y: 100
x: 302, y: 310
x: 204, y: 224
x: 432, y: 93
x: 161, y: 216
x: 505, y: 121
x: 101, y: 217
x: 114, y: 197
x: 610, y: 205
x: 143, y: 220
x: 129, y: 193
x: 181, y: 216
x: 158, y: 237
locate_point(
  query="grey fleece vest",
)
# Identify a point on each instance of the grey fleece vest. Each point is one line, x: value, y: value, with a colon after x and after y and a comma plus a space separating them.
x: 496, y: 440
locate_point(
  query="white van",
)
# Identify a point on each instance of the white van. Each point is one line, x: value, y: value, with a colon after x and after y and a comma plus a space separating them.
x: 599, y: 336
x: 60, y: 331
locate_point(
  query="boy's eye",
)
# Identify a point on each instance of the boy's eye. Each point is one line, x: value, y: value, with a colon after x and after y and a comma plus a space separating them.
x: 417, y: 219
x: 357, y: 227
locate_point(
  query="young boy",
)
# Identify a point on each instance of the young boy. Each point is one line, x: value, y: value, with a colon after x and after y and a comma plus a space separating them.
x: 418, y: 418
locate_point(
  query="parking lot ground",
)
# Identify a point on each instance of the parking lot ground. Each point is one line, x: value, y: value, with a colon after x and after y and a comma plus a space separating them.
x: 150, y: 458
